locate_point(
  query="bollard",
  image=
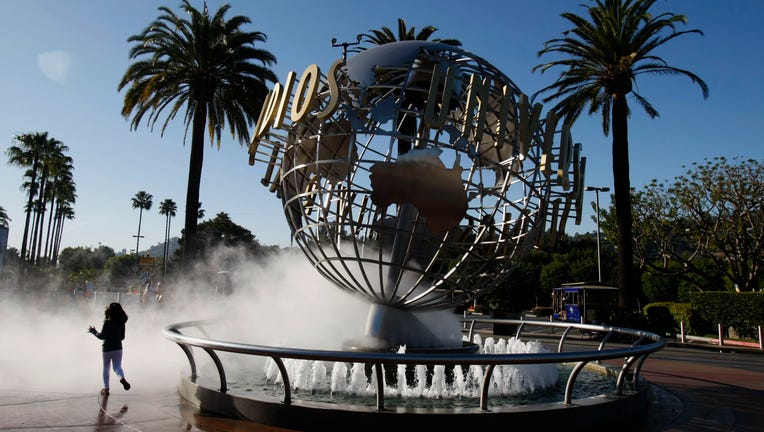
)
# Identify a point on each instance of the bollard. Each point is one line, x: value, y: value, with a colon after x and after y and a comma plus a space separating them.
x: 761, y: 340
x: 721, y: 335
x: 681, y: 328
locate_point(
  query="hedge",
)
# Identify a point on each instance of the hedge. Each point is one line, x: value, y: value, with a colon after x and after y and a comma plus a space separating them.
x: 663, y: 318
x: 743, y: 311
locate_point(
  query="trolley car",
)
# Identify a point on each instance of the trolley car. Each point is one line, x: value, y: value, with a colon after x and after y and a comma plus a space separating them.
x: 584, y: 303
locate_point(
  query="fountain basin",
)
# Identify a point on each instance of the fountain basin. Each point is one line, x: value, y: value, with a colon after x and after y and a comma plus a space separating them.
x: 587, y: 413
x: 625, y: 402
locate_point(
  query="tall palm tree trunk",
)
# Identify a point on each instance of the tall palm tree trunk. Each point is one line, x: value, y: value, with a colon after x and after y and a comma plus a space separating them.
x: 33, y: 254
x: 194, y: 180
x: 166, y: 246
x: 59, y: 234
x: 30, y: 200
x: 622, y: 190
x: 39, y: 224
x: 138, y: 237
x: 48, y: 243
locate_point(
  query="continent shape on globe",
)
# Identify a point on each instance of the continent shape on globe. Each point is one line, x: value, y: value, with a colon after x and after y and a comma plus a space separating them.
x: 421, y: 179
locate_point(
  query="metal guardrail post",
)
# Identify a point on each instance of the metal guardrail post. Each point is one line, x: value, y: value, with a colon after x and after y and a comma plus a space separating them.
x: 562, y: 338
x: 638, y: 368
x: 485, y: 386
x: 681, y: 329
x: 572, y: 381
x: 519, y: 330
x: 284, y: 379
x: 219, y: 366
x: 622, y: 375
x: 604, y: 340
x: 380, y: 386
x: 189, y: 355
x: 721, y: 334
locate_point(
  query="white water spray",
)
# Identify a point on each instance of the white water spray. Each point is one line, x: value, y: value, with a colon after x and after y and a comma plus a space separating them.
x: 506, y: 380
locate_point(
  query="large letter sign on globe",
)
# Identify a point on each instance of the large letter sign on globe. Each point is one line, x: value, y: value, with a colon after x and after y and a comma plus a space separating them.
x: 416, y: 173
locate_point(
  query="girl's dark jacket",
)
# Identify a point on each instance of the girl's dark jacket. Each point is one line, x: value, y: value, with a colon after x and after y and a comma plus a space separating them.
x: 112, y: 333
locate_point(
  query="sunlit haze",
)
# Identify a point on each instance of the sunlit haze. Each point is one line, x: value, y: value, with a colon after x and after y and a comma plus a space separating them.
x: 277, y: 302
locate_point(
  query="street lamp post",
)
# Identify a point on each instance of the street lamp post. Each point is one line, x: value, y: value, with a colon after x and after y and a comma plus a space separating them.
x: 137, y: 241
x: 345, y: 46
x: 597, y: 191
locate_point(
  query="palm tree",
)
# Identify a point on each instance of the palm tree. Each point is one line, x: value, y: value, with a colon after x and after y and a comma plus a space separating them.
x: 601, y: 59
x: 142, y: 201
x: 51, y: 151
x: 63, y: 194
x: 206, y: 64
x: 34, y: 152
x: 25, y: 154
x: 168, y: 208
x: 385, y: 35
x: 64, y: 211
x: 55, y: 165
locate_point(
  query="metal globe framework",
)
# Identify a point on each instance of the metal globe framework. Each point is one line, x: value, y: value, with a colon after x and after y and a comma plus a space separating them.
x: 415, y: 174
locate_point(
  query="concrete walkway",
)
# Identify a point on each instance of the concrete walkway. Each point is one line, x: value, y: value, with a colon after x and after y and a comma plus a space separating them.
x: 723, y: 395
x: 711, y: 397
x: 121, y: 411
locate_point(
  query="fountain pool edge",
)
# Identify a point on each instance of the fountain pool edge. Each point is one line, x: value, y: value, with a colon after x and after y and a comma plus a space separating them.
x: 584, y: 414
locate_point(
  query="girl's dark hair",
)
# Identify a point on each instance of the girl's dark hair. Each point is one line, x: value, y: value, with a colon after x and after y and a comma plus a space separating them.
x: 116, y: 313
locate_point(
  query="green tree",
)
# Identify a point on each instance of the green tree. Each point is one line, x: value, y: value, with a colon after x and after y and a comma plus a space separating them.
x: 141, y: 201
x: 223, y: 243
x: 120, y: 271
x: 221, y: 230
x: 708, y: 222
x: 168, y: 208
x: 76, y: 261
x: 206, y: 64
x: 601, y: 58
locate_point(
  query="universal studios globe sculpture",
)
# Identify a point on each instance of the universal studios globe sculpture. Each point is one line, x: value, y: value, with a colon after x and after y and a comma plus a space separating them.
x: 414, y: 174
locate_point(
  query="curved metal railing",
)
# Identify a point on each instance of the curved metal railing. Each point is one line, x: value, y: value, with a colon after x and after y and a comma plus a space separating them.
x: 633, y: 355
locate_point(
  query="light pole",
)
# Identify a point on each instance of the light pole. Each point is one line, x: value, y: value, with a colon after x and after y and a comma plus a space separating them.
x: 345, y: 46
x: 597, y: 191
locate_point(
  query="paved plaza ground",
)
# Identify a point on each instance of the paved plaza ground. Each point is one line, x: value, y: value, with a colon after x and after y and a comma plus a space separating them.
x: 693, y: 390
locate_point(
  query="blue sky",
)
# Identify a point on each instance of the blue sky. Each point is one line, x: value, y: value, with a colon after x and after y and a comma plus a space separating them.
x: 62, y: 61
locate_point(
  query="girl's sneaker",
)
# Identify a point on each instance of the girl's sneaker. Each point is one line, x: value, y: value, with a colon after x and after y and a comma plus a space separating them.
x: 125, y: 384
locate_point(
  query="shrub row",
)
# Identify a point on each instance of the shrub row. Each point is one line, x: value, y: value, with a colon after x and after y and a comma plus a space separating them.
x: 743, y: 311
